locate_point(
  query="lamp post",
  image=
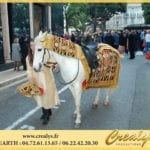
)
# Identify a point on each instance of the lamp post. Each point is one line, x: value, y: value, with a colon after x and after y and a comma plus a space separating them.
x: 117, y: 21
x: 132, y: 16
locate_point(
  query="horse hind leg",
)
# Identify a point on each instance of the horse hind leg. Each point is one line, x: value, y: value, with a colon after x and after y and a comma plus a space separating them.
x: 106, y: 101
x: 76, y: 92
x: 95, y: 103
x: 77, y: 95
x: 71, y: 87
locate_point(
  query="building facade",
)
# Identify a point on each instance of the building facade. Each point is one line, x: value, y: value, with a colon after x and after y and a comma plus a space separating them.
x: 133, y: 15
x: 38, y: 17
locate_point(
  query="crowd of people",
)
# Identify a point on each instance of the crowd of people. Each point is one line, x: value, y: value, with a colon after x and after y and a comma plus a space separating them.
x: 125, y: 41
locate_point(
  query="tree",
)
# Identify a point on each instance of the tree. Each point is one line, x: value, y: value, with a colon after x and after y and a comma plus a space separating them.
x: 100, y: 13
x: 146, y: 14
x: 20, y: 17
x: 76, y: 15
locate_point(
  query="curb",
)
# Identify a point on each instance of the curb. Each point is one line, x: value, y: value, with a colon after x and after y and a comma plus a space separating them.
x: 7, y: 82
x: 6, y: 66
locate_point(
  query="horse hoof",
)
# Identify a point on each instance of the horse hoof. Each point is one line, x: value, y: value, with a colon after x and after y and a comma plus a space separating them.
x: 77, y: 125
x: 74, y: 115
x: 106, y: 103
x: 94, y: 106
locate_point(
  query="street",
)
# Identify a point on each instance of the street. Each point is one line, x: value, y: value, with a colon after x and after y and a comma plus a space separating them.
x: 129, y: 104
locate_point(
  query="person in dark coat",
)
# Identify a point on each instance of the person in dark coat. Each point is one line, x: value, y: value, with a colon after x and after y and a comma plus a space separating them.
x: 72, y: 37
x: 24, y: 51
x: 109, y: 39
x: 122, y: 42
x: 116, y: 39
x: 131, y: 43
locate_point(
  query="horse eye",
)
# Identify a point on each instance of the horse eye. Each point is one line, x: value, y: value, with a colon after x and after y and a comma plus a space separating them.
x: 39, y: 50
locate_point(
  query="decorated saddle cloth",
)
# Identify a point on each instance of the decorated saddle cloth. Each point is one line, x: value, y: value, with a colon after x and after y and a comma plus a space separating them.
x: 105, y: 75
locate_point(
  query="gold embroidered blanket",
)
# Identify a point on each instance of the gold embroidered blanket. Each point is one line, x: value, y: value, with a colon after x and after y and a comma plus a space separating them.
x: 105, y: 76
x: 29, y: 90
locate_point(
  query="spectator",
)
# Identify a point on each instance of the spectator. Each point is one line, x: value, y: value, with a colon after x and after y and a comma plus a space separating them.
x: 137, y: 38
x: 131, y: 43
x: 122, y: 42
x: 116, y: 39
x: 97, y: 38
x: 66, y: 36
x: 109, y: 39
x: 16, y: 54
x: 78, y: 39
x: 72, y: 37
x: 104, y: 36
x: 24, y: 50
x: 142, y: 39
x: 147, y: 40
x: 87, y: 38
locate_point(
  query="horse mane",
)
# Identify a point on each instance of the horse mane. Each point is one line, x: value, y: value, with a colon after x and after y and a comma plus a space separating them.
x: 61, y: 45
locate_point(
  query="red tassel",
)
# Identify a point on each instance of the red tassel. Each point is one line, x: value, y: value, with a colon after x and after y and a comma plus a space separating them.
x: 85, y: 84
x: 41, y: 90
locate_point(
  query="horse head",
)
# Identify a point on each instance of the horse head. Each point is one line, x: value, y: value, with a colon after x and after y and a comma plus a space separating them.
x: 41, y: 54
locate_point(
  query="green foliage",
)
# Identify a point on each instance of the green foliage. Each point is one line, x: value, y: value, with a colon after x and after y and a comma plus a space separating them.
x: 79, y: 14
x: 20, y: 16
x: 146, y: 14
x: 106, y: 11
x: 76, y: 15
x: 103, y: 12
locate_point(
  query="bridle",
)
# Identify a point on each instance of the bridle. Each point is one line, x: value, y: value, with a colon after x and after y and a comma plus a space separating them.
x: 48, y: 63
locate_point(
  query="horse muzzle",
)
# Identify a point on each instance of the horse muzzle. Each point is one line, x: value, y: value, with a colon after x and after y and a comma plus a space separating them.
x: 37, y: 68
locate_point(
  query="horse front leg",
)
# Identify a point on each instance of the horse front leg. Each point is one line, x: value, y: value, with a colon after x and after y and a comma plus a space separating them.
x: 95, y: 103
x: 108, y: 93
x: 77, y: 96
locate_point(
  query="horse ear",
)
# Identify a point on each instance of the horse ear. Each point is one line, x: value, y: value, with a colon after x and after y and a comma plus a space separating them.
x: 44, y: 34
x: 40, y: 33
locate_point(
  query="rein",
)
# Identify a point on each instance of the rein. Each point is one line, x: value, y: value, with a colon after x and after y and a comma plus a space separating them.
x: 54, y: 63
x: 65, y: 83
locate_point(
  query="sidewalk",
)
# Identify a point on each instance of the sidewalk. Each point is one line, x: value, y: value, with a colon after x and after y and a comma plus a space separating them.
x: 9, y: 76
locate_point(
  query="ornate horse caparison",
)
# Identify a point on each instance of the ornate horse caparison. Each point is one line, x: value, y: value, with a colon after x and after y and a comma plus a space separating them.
x: 72, y: 68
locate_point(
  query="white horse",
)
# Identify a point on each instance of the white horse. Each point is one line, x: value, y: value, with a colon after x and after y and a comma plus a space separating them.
x: 71, y: 69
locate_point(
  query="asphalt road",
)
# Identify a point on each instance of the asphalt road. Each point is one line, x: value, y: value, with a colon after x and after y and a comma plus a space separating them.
x: 129, y: 104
